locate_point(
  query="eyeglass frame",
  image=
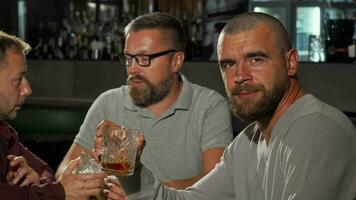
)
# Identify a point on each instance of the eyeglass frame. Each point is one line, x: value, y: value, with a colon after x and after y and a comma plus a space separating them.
x: 149, y: 56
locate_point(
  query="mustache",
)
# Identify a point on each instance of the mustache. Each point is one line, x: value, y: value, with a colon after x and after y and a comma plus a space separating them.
x: 237, y: 89
x: 135, y: 77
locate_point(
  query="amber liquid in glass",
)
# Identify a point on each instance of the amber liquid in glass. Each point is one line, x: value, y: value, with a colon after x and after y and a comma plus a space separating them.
x: 120, y: 169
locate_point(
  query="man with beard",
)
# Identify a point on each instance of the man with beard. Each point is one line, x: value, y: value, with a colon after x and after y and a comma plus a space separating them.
x: 186, y: 127
x: 297, y: 148
x: 23, y: 175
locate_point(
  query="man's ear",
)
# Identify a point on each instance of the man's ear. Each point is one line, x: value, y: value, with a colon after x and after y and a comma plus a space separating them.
x: 178, y: 60
x: 292, y: 60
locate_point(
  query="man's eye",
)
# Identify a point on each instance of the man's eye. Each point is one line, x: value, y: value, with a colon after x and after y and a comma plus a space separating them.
x: 256, y: 60
x: 16, y: 82
x: 144, y: 58
x: 226, y: 65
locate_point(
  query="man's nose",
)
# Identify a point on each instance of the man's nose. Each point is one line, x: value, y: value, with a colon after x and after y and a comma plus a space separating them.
x: 26, y: 88
x: 134, y: 67
x: 242, y: 73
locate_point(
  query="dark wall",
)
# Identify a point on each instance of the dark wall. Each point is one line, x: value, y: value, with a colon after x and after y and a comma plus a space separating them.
x: 8, y: 16
x: 85, y: 80
x: 46, y: 10
x: 42, y: 12
x: 36, y: 11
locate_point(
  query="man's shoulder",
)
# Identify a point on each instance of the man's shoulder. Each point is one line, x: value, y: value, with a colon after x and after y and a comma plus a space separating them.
x: 6, y: 130
x: 120, y: 92
x: 310, y: 106
x: 316, y: 108
x: 204, y: 93
x: 314, y: 116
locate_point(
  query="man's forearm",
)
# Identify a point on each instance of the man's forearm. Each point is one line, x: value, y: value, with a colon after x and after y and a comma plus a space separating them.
x: 61, y: 168
x: 182, y: 183
x: 72, y: 154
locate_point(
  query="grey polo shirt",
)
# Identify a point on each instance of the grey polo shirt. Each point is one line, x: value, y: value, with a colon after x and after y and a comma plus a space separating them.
x: 197, y: 121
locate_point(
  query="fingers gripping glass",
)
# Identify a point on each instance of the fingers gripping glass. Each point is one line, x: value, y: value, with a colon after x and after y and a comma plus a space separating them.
x: 144, y: 60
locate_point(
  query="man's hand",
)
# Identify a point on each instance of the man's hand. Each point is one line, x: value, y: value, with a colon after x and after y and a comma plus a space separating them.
x: 20, y: 173
x: 80, y: 186
x: 113, y: 189
x: 106, y: 124
x: 140, y: 141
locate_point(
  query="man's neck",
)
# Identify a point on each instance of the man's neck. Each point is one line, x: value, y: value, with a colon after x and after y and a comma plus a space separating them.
x: 160, y: 107
x: 293, y: 93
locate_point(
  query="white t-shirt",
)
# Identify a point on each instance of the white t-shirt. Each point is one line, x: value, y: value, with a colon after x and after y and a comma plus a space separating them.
x: 311, y: 155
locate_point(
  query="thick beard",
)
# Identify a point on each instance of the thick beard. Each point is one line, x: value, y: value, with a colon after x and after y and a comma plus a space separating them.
x: 258, y: 109
x: 150, y: 93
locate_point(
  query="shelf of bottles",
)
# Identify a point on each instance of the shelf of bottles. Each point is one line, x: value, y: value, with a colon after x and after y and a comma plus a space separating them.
x: 81, y: 36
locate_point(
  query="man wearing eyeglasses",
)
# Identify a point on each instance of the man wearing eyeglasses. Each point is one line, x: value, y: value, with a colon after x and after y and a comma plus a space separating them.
x: 186, y: 127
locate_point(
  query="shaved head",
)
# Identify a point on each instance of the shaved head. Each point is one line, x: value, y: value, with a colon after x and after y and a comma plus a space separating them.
x: 249, y: 20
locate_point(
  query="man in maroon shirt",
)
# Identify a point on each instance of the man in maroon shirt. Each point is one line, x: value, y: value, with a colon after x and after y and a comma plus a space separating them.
x: 22, y: 174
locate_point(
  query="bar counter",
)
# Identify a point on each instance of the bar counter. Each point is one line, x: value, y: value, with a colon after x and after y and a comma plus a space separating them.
x: 78, y: 83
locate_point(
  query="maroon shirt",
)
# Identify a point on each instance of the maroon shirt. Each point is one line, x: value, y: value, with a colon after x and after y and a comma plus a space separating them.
x: 48, y: 189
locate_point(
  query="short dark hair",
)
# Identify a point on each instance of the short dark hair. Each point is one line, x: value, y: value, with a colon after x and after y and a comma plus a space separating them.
x: 8, y: 41
x: 163, y: 21
x: 249, y: 20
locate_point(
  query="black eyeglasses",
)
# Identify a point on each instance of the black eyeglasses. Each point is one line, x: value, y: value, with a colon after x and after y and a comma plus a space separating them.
x: 144, y: 60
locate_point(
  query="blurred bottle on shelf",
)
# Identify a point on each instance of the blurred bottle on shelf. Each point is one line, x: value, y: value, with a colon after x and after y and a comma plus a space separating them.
x: 339, y: 37
x: 316, y: 49
x: 352, y: 51
x: 80, y: 38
